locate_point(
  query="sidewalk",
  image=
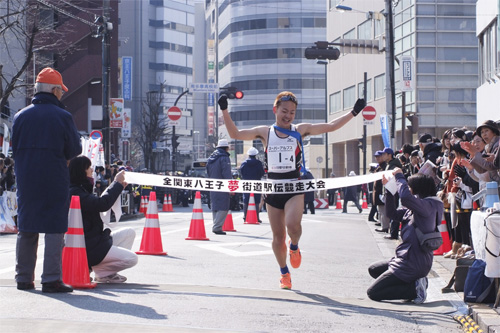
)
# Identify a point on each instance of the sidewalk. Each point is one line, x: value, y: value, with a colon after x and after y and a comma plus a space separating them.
x: 484, y: 315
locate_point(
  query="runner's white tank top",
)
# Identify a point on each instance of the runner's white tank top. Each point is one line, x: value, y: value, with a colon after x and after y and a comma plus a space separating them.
x: 283, y: 155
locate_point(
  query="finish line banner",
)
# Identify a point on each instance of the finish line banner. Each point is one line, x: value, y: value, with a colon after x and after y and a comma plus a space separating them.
x: 251, y: 186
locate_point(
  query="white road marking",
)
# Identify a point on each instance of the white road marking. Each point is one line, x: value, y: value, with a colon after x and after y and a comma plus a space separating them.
x: 222, y: 248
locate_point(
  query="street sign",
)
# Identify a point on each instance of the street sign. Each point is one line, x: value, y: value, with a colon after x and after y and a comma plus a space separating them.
x: 96, y: 135
x: 174, y: 113
x: 320, y: 203
x: 407, y: 73
x: 369, y: 112
x: 204, y: 88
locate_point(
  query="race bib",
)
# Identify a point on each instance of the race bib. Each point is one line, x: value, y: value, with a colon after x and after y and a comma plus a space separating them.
x: 281, y: 158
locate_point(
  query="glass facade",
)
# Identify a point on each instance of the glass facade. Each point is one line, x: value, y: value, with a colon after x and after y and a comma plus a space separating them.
x: 261, y: 51
x: 440, y: 35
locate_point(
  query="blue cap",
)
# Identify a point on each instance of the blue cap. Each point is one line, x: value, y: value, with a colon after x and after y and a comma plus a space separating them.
x: 378, y: 152
x: 388, y: 150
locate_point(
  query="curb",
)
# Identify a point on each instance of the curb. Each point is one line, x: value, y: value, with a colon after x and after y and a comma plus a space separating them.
x: 486, y: 317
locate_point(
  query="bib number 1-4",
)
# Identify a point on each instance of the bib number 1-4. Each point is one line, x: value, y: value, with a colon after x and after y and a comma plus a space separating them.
x: 281, y: 158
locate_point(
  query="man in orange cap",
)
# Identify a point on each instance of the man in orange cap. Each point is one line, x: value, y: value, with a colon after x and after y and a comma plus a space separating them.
x: 45, y: 135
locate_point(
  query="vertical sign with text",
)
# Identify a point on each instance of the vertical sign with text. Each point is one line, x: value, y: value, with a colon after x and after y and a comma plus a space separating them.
x: 127, y: 78
x: 116, y: 113
x: 407, y: 73
x: 127, y: 123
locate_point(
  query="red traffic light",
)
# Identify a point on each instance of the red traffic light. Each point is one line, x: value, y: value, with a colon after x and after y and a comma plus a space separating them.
x: 239, y: 94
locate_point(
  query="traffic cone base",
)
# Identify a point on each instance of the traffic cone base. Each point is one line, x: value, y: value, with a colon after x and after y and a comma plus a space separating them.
x: 251, y: 217
x: 228, y: 223
x: 75, y: 266
x: 78, y: 276
x: 151, y: 236
x: 339, y: 204
x: 446, y: 246
x: 197, y: 227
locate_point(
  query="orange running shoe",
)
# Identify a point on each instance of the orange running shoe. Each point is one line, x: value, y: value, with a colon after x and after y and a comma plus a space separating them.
x: 295, y: 257
x: 286, y: 281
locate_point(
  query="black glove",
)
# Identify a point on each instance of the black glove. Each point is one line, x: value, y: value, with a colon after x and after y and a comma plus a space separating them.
x: 360, y: 105
x: 222, y: 102
x: 460, y: 171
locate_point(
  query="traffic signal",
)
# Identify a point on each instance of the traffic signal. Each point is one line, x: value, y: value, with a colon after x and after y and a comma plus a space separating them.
x: 361, y: 143
x: 239, y: 94
x: 175, y: 142
x: 232, y: 93
x: 314, y: 52
x: 413, y: 119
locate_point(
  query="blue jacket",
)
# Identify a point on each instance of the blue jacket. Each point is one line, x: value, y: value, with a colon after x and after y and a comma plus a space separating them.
x: 219, y: 167
x: 252, y: 169
x: 44, y: 138
x: 410, y: 262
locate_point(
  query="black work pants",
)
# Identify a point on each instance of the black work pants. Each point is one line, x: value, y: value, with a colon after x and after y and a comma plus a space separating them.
x: 387, y: 286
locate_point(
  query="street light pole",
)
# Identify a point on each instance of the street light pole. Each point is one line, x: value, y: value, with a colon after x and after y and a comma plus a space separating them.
x: 106, y: 68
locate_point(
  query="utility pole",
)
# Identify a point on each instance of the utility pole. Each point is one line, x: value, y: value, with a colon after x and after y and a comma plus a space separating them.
x: 106, y: 69
x: 390, y: 97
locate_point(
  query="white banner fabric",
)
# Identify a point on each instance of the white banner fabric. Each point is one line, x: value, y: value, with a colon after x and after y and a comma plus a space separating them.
x: 251, y: 186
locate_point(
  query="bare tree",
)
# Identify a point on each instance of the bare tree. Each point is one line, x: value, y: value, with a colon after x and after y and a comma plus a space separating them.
x: 152, y: 128
x: 27, y: 26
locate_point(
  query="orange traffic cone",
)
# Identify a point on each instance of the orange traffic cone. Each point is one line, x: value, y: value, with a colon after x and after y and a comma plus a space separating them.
x: 251, y: 217
x: 170, y: 206
x: 167, y: 205
x: 142, y: 208
x: 446, y: 246
x: 74, y: 258
x: 339, y: 204
x: 228, y: 223
x: 197, y: 228
x: 151, y: 236
x: 365, y: 204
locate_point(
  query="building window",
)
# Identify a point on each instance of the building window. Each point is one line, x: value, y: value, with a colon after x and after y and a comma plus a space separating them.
x: 365, y: 30
x: 349, y: 97
x: 368, y: 90
x: 351, y: 34
x: 487, y: 51
x: 380, y: 27
x: 380, y: 86
x: 335, y: 102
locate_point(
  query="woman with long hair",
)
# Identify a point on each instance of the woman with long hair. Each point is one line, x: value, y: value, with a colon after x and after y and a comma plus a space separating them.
x: 108, y: 252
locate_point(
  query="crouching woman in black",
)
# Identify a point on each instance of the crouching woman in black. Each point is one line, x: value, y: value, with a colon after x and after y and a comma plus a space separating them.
x: 405, y: 275
x: 108, y: 252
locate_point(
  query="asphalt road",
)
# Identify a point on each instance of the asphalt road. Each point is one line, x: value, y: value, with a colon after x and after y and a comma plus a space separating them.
x: 231, y: 283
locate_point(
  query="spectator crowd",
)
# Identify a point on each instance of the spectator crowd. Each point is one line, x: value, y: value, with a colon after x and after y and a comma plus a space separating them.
x: 461, y: 162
